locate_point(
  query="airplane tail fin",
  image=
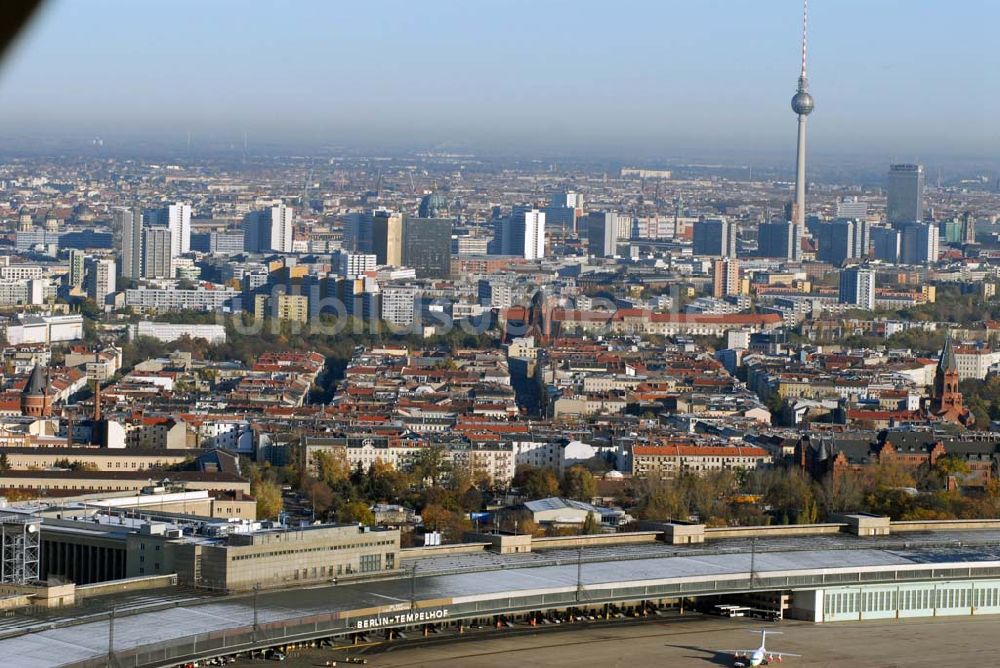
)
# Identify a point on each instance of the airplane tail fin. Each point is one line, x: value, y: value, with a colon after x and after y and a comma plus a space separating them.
x: 764, y: 633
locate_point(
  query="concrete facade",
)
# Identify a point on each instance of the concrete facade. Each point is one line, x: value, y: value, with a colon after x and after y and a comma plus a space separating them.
x: 268, y: 558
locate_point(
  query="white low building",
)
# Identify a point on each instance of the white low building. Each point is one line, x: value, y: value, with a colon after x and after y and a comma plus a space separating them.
x: 44, y: 329
x: 167, y: 332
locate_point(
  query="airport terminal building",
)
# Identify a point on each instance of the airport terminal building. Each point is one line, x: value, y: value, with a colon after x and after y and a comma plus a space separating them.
x: 269, y: 557
x: 100, y: 540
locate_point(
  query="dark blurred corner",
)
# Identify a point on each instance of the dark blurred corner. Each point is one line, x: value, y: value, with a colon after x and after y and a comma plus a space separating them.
x: 14, y: 16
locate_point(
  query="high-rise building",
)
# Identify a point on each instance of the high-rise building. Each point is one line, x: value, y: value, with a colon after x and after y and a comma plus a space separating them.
x: 850, y: 207
x: 905, y: 200
x: 715, y: 237
x: 726, y: 277
x: 427, y: 246
x: 101, y: 280
x: 77, y: 260
x: 836, y: 242
x: 561, y: 218
x: 470, y: 245
x: 269, y: 230
x: 129, y: 221
x: 857, y: 287
x: 177, y: 218
x: 281, y: 228
x: 885, y: 244
x: 387, y: 237
x: 570, y: 198
x: 803, y: 105
x: 603, y: 232
x: 862, y: 237
x: 497, y: 292
x: 968, y: 228
x: 179, y: 223
x: 951, y: 231
x: 776, y: 239
x: 534, y: 234
x: 226, y: 242
x: 399, y: 304
x: 352, y: 265
x: 157, y: 243
x: 292, y: 308
x: 625, y: 226
x: 501, y: 228
x: 256, y: 232
x: 358, y: 232
x: 564, y: 211
x: 522, y: 233
x: 919, y: 244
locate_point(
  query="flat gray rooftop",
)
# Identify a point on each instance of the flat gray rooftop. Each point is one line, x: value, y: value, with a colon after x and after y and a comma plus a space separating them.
x: 481, y: 576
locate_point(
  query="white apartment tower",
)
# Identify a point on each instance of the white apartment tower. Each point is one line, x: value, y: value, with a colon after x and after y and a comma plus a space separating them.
x: 269, y: 230
x: 523, y: 234
x: 352, y: 265
x: 281, y: 228
x: 101, y: 280
x: 156, y: 247
x: 857, y: 287
x: 179, y: 222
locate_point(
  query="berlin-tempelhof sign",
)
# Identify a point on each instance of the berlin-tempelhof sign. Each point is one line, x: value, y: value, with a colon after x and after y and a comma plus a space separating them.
x: 402, y: 618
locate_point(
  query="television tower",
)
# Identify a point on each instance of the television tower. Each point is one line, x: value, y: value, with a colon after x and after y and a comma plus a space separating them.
x: 802, y: 104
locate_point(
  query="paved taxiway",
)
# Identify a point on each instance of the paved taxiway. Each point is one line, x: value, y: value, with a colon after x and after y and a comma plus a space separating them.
x: 915, y: 643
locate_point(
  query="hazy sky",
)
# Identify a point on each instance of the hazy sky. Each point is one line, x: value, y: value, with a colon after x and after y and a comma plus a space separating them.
x: 903, y: 78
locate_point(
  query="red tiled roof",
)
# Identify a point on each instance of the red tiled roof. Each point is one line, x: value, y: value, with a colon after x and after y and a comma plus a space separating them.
x: 698, y: 451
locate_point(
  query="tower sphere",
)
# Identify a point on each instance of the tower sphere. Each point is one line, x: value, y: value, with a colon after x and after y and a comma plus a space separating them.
x: 802, y: 103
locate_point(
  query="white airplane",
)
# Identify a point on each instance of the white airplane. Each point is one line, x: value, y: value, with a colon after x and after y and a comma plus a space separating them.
x: 760, y: 656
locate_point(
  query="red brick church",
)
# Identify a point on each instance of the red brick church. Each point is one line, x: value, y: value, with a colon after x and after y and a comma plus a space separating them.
x: 947, y: 403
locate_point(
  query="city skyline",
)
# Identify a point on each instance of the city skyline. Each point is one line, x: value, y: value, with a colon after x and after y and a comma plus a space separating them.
x: 686, y: 78
x: 332, y: 328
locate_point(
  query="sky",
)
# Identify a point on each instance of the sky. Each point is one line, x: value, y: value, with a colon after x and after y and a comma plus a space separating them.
x: 903, y: 79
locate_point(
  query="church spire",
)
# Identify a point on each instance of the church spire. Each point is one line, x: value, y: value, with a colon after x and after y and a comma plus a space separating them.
x: 947, y: 361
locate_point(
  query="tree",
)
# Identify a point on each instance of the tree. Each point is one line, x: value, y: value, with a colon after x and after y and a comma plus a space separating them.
x: 269, y: 501
x: 383, y: 483
x: 951, y: 465
x: 591, y: 525
x: 809, y: 514
x: 452, y: 524
x: 775, y: 402
x: 894, y: 502
x: 320, y: 496
x: 430, y: 464
x: 662, y: 499
x: 356, y: 511
x: 332, y: 466
x: 519, y: 522
x: 578, y: 483
x: 435, y: 517
x: 841, y: 493
x: 889, y: 473
x: 471, y: 500
x: 709, y: 494
x: 4, y: 462
x: 790, y: 494
x: 535, y: 483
